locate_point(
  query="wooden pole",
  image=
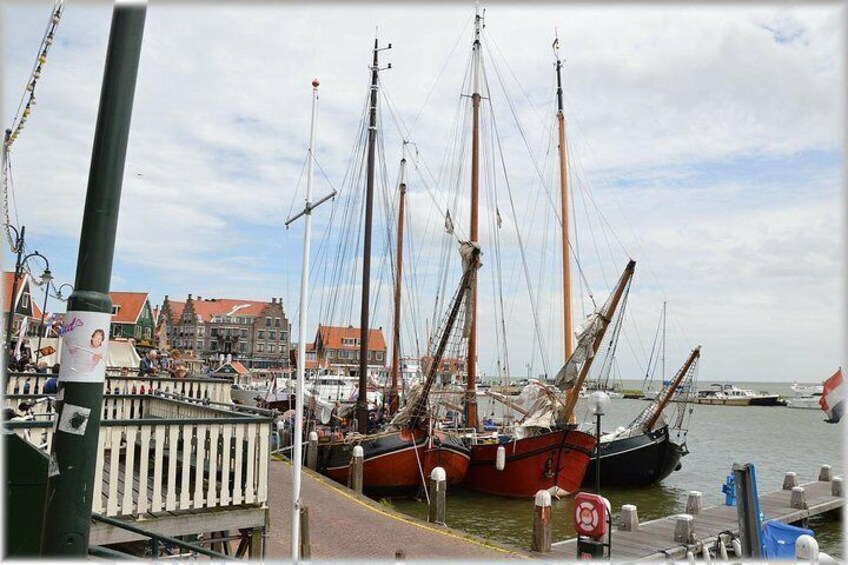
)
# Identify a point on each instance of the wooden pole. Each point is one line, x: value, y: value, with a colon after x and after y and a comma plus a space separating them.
x: 364, y: 322
x: 542, y: 523
x: 606, y: 317
x: 356, y: 465
x: 470, y: 384
x: 393, y: 403
x: 438, y: 496
x: 567, y: 332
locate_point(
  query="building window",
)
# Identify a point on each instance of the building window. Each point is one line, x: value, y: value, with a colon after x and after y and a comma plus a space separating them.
x: 272, y: 335
x: 284, y: 336
x: 242, y: 348
x: 261, y: 334
x: 260, y: 347
x: 243, y: 333
x: 115, y: 309
x: 199, y: 345
x: 276, y: 322
x: 213, y: 346
x: 201, y: 331
x: 379, y: 356
x: 331, y: 354
x: 25, y: 300
x: 116, y: 331
x: 350, y: 341
x: 267, y: 322
x: 272, y: 348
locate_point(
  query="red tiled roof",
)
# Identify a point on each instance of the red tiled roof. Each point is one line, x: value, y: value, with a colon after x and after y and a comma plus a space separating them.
x: 176, y: 309
x: 331, y: 337
x: 240, y: 369
x: 131, y: 304
x: 310, y: 363
x: 206, y: 309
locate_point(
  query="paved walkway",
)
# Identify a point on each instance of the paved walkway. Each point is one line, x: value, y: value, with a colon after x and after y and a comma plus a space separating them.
x: 344, y: 525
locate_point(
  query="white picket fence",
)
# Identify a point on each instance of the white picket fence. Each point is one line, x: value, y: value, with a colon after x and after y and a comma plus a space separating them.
x: 150, y: 461
x: 216, y: 390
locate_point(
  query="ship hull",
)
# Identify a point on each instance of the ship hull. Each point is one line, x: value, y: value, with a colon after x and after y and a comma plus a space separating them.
x: 554, y: 459
x: 642, y: 460
x: 769, y: 400
x: 397, y: 461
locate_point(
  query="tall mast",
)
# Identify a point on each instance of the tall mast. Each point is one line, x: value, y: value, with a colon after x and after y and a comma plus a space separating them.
x: 471, y: 361
x: 393, y: 404
x: 663, y: 344
x: 362, y: 400
x: 567, y: 331
x: 301, y: 340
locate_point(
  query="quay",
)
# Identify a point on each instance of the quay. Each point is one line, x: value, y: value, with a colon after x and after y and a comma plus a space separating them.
x: 655, y: 540
x: 347, y: 525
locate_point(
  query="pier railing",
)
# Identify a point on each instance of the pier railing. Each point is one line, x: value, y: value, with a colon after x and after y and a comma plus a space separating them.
x: 201, y: 388
x: 162, y: 455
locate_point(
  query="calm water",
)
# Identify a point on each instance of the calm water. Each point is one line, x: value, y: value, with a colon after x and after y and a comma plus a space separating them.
x: 775, y: 439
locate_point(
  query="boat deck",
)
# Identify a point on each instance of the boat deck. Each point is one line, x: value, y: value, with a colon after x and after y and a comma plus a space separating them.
x: 654, y: 540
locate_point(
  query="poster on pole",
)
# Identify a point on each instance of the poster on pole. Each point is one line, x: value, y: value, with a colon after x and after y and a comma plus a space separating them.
x: 84, y: 351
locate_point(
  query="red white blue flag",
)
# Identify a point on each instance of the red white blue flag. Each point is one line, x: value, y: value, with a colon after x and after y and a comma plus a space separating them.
x: 832, y: 400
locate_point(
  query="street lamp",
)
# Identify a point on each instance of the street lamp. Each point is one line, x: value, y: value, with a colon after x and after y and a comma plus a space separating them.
x: 46, y: 279
x: 599, y: 401
x: 59, y: 295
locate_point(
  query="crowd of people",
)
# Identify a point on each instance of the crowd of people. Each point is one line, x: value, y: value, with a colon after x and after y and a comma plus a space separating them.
x: 153, y: 364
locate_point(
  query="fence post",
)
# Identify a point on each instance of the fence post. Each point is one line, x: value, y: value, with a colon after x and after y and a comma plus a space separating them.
x: 305, y: 546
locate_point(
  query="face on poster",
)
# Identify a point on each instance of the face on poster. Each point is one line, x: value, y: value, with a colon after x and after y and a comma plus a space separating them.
x: 84, y: 347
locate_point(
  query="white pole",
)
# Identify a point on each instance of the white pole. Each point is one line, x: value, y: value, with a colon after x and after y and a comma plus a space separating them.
x: 297, y: 457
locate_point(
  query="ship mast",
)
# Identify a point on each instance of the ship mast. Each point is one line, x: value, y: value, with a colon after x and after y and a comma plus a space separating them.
x: 669, y: 394
x: 362, y: 400
x: 393, y: 403
x: 471, y: 361
x: 567, y: 331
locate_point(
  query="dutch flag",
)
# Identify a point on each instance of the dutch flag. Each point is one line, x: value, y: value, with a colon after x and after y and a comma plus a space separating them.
x: 832, y: 400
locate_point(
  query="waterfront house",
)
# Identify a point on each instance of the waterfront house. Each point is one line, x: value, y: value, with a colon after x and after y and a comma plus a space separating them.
x: 24, y: 303
x: 132, y: 318
x: 337, y: 348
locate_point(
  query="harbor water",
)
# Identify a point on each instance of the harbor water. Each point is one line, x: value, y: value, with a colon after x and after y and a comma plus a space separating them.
x: 775, y: 439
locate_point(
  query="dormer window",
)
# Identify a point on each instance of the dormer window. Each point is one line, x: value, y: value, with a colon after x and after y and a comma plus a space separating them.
x: 115, y: 309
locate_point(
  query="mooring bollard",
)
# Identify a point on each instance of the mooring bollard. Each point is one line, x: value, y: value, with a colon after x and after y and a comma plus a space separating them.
x: 438, y: 496
x: 629, y: 518
x: 542, y: 523
x: 312, y: 451
x: 305, y: 546
x: 357, y: 463
x: 799, y: 498
x: 694, y: 503
x: 789, y: 480
x: 825, y: 474
x: 400, y: 556
x: 836, y: 487
x: 683, y: 528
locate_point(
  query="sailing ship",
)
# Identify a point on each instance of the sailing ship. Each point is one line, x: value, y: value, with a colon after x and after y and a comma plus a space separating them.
x: 643, y: 453
x: 402, y: 454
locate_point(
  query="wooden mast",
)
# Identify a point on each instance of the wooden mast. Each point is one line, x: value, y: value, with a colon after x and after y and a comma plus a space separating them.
x: 606, y: 318
x: 696, y: 353
x: 567, y: 331
x: 362, y: 399
x: 393, y: 402
x: 471, y: 362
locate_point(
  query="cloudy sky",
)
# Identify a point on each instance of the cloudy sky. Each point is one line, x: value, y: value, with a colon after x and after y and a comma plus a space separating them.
x: 706, y: 143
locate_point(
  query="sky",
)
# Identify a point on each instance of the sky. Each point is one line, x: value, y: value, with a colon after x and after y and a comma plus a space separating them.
x: 705, y: 142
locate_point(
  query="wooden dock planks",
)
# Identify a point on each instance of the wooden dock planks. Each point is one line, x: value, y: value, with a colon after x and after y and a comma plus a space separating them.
x: 654, y: 540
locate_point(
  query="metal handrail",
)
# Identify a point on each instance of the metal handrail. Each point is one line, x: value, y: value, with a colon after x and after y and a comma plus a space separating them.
x: 159, y: 538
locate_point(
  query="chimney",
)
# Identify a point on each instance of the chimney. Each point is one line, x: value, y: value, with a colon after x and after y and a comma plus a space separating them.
x: 273, y: 300
x: 166, y: 297
x: 189, y: 296
x: 199, y: 298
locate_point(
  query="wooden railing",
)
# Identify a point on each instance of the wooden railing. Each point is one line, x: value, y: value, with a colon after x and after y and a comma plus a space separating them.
x: 201, y: 388
x: 150, y: 462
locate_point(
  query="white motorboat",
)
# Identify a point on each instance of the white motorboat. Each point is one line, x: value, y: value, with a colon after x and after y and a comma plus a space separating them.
x: 806, y: 397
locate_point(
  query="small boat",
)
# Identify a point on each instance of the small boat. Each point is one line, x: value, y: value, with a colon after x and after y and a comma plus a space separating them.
x: 806, y: 397
x: 730, y: 395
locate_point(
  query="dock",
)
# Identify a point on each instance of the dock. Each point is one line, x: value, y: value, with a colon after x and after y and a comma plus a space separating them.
x: 655, y: 540
x: 344, y: 525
